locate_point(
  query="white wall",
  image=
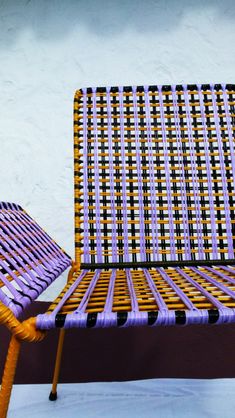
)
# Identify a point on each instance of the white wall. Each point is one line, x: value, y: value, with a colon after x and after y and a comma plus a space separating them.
x: 49, y: 48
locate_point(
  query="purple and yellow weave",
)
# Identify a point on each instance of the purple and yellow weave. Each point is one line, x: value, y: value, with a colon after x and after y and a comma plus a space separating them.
x: 29, y: 259
x: 154, y: 170
x: 154, y: 208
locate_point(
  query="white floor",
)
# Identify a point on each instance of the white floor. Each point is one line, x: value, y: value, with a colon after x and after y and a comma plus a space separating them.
x: 158, y: 398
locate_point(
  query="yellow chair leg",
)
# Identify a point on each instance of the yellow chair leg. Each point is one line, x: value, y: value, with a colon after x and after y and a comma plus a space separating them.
x: 53, y: 394
x: 8, y: 375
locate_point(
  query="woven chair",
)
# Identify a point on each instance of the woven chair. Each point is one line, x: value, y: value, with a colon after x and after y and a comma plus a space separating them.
x: 29, y: 262
x: 154, y: 210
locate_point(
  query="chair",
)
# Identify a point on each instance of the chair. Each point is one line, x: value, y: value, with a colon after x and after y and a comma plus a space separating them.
x: 29, y: 262
x: 154, y: 175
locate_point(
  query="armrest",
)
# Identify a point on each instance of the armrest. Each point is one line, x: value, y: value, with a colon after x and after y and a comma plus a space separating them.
x: 30, y: 260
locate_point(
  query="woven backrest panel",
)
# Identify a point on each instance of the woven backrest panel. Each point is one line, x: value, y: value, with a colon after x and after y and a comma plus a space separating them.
x: 29, y: 259
x: 154, y: 173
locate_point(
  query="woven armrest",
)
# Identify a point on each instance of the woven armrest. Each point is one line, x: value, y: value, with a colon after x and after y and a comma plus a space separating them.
x: 29, y: 259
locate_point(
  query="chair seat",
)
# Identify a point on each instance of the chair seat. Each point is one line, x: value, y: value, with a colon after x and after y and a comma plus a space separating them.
x: 141, y: 296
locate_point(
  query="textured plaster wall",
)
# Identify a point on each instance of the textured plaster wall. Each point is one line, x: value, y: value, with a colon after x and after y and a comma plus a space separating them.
x: 48, y: 48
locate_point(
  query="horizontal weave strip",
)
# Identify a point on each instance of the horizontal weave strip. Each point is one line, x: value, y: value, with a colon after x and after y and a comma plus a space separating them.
x: 29, y: 259
x: 154, y: 173
x: 157, y: 296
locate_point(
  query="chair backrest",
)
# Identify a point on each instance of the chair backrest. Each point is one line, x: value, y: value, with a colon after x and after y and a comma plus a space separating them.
x: 29, y: 259
x: 154, y: 174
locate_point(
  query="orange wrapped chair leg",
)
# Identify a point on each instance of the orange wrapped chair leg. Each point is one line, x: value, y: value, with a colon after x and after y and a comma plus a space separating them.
x: 8, y: 375
x: 25, y: 331
x: 53, y: 394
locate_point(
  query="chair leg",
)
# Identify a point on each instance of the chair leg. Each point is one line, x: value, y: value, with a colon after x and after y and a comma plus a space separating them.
x: 8, y: 375
x: 53, y: 394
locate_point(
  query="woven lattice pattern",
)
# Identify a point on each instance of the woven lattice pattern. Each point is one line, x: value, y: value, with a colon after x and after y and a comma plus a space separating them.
x: 154, y: 296
x: 29, y: 259
x: 155, y: 173
x: 154, y: 208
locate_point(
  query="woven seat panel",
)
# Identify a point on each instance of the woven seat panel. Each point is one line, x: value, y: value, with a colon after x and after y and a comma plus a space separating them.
x: 157, y: 296
x: 29, y: 259
x: 154, y: 173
